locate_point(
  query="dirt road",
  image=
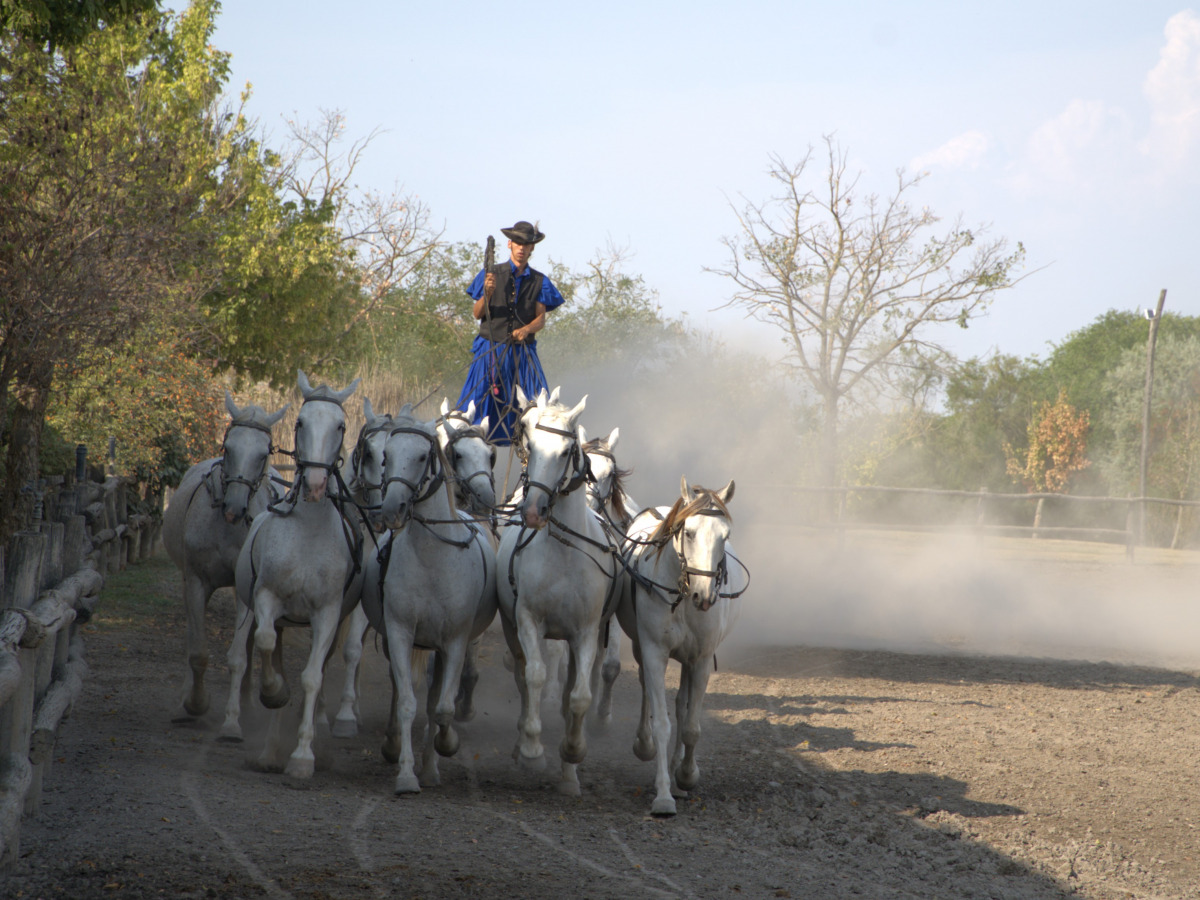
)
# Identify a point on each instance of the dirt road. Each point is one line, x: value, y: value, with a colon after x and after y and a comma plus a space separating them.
x: 825, y: 773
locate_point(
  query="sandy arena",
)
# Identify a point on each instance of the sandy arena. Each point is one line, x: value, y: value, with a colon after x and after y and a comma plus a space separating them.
x: 1024, y: 727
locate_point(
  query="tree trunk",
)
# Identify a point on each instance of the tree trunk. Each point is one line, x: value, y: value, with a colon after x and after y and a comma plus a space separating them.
x: 27, y: 415
x: 829, y: 456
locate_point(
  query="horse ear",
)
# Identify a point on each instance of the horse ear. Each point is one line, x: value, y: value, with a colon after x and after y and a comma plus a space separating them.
x: 470, y: 413
x: 406, y: 410
x: 230, y: 406
x: 582, y: 435
x: 272, y: 420
x: 367, y: 410
x: 612, y: 438
x: 554, y: 394
x: 542, y: 398
x: 726, y: 493
x: 685, y: 491
x: 483, y: 423
x: 342, y: 395
x: 445, y: 407
x: 302, y: 381
x: 522, y: 400
x: 574, y: 414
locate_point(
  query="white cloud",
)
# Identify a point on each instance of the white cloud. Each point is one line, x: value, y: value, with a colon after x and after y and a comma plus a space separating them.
x: 965, y: 151
x: 1084, y: 146
x: 1173, y: 89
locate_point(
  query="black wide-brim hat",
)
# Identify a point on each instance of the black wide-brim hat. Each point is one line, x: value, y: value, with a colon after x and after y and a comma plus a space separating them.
x: 523, y: 233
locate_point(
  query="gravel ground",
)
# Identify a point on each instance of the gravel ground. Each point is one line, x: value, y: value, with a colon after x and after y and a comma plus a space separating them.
x: 825, y: 773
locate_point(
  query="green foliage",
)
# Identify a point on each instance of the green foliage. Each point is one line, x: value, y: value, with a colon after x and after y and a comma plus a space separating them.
x: 162, y: 406
x: 57, y: 24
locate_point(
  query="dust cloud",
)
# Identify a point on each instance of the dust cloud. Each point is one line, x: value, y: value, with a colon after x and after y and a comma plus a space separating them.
x: 872, y: 589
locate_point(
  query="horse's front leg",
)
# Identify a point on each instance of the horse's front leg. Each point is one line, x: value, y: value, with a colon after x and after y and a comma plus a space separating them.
x: 529, y: 752
x: 238, y: 659
x: 583, y: 658
x: 195, y: 601
x: 695, y: 677
x: 440, y: 711
x: 349, y: 715
x: 324, y: 630
x: 398, y: 744
x: 654, y: 690
x: 272, y: 688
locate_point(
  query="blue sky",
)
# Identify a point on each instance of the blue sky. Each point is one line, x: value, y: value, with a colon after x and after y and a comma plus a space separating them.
x: 1071, y: 127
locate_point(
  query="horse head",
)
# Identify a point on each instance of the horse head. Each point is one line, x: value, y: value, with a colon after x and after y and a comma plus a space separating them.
x: 470, y: 456
x: 320, y: 431
x: 245, y: 455
x: 700, y: 525
x: 551, y: 448
x: 412, y: 468
x: 366, y: 462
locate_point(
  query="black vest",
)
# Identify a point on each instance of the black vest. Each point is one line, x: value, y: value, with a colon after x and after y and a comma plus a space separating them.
x: 506, y: 312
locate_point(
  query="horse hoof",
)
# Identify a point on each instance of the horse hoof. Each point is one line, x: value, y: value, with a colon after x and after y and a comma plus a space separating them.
x: 572, y: 753
x: 344, y: 728
x: 195, y: 707
x: 266, y: 764
x: 687, y: 780
x: 299, y: 768
x: 274, y: 701
x: 431, y: 779
x: 663, y: 807
x: 446, y: 742
x: 230, y: 735
x: 407, y: 784
x: 390, y: 755
x: 529, y: 763
x: 569, y: 788
x: 644, y: 750
x: 463, y: 713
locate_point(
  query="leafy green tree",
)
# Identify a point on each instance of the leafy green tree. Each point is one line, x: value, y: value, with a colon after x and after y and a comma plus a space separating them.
x: 53, y: 25
x: 114, y: 165
x: 1174, y: 438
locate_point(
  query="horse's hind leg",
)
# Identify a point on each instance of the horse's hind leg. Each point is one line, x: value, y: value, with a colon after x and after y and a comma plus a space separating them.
x: 195, y: 601
x: 238, y: 659
x: 464, y: 701
x: 609, y: 670
x: 695, y: 677
x: 349, y: 714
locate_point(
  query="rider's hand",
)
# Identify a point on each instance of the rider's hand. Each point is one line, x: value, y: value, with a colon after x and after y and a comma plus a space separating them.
x: 489, y: 284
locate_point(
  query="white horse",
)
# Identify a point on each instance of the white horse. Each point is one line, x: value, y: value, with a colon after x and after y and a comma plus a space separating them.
x: 363, y: 476
x: 556, y: 572
x: 301, y: 565
x: 472, y: 459
x: 679, y: 602
x: 205, y: 525
x: 431, y: 587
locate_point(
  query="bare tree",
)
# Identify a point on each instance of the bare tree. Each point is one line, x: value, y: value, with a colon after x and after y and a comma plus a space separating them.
x: 387, y: 235
x: 856, y: 283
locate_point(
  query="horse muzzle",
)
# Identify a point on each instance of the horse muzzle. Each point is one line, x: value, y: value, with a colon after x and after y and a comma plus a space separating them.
x: 315, y: 486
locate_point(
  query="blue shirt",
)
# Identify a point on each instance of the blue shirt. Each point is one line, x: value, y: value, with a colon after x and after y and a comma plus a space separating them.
x: 549, y: 297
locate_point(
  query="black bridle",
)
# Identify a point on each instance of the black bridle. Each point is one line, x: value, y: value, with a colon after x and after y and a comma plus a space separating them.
x: 458, y: 434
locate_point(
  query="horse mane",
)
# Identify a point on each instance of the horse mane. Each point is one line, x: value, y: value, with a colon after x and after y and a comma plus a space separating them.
x: 704, y: 499
x: 618, y: 496
x: 255, y: 416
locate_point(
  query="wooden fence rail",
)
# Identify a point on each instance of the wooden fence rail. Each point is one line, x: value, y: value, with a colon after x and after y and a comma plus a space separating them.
x: 51, y: 576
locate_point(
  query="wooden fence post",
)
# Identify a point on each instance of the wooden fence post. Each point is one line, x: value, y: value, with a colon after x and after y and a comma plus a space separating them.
x: 1037, y: 518
x: 981, y: 506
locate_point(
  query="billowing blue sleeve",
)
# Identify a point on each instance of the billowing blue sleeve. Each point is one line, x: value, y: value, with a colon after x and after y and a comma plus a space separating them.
x: 475, y: 291
x: 550, y: 298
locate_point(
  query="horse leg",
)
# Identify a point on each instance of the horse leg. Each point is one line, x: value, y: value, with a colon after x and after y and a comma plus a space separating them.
x: 270, y: 759
x: 555, y: 655
x: 238, y: 659
x: 464, y: 701
x: 404, y: 708
x: 687, y: 772
x: 583, y: 656
x: 349, y: 716
x: 654, y: 675
x: 195, y: 601
x: 609, y: 671
x: 324, y: 629
x: 529, y: 752
x: 643, y: 743
x: 272, y: 688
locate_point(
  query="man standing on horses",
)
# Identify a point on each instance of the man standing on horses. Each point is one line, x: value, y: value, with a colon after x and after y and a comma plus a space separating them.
x: 511, y: 302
